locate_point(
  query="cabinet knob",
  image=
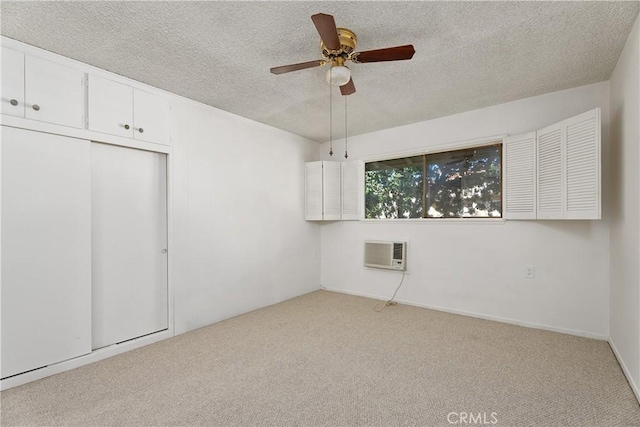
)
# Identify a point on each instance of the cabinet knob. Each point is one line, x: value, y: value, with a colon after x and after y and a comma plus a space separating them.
x: 164, y: 251
x: 36, y: 107
x: 140, y: 130
x: 127, y: 127
x: 13, y: 102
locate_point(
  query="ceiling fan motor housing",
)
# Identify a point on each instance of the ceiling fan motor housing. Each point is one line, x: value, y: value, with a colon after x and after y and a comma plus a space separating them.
x: 348, y: 41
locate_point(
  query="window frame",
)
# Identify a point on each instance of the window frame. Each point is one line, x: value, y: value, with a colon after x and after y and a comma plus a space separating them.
x: 440, y: 148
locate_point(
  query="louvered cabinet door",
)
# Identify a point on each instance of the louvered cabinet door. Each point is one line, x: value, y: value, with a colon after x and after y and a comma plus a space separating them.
x: 519, y: 158
x: 313, y: 191
x: 582, y: 172
x: 550, y: 177
x: 352, y: 189
x: 331, y: 198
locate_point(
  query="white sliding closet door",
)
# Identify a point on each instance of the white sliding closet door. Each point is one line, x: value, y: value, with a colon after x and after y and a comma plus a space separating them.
x: 46, y: 249
x: 129, y: 275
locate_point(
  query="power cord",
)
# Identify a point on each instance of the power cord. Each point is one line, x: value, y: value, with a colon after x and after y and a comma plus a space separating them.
x: 391, y: 302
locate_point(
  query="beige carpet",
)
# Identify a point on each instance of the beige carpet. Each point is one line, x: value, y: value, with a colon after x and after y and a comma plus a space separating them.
x: 326, y: 359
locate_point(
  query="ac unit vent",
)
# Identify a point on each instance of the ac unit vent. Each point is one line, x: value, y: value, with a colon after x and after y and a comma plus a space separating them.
x: 388, y: 255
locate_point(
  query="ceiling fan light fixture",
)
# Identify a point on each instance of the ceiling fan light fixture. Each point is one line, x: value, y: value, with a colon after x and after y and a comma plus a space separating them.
x: 338, y: 76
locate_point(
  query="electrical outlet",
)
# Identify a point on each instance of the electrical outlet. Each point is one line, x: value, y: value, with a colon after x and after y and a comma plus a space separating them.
x: 529, y: 272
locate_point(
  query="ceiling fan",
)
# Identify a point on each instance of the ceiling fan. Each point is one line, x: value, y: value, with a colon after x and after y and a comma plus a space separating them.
x: 338, y: 46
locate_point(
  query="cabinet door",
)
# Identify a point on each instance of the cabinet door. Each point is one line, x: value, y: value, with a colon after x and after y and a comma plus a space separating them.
x: 12, y: 82
x: 582, y: 173
x: 331, y: 198
x: 519, y: 176
x: 110, y: 107
x: 313, y: 191
x: 54, y: 93
x: 352, y: 178
x: 152, y: 118
x: 46, y: 249
x: 129, y: 278
x: 550, y: 178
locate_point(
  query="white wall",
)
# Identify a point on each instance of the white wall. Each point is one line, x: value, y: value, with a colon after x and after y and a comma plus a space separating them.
x: 477, y: 266
x: 240, y: 239
x: 625, y: 203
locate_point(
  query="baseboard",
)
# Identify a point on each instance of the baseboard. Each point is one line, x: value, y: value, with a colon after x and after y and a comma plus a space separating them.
x: 76, y: 362
x: 627, y: 374
x: 479, y: 315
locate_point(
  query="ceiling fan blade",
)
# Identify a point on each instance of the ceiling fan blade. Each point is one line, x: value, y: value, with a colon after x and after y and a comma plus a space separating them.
x: 326, y: 26
x: 348, y: 88
x: 397, y: 53
x: 295, y: 67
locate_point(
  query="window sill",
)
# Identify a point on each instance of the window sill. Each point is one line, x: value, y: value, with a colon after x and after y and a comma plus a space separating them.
x: 449, y: 221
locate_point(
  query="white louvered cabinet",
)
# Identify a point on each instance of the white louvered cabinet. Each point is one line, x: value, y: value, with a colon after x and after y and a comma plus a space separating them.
x: 322, y: 191
x: 352, y: 189
x: 563, y: 160
x: 519, y: 166
x: 568, y: 172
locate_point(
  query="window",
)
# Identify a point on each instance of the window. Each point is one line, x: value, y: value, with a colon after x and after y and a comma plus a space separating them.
x: 453, y: 184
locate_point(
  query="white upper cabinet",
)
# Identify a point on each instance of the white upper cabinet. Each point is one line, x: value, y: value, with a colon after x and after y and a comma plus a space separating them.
x: 122, y: 110
x: 352, y: 183
x: 564, y: 162
x: 54, y: 93
x: 110, y: 107
x: 41, y: 90
x: 322, y: 191
x: 519, y: 159
x: 12, y: 82
x: 151, y: 117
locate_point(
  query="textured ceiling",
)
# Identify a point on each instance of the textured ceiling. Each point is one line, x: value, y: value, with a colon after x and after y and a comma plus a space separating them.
x: 468, y: 54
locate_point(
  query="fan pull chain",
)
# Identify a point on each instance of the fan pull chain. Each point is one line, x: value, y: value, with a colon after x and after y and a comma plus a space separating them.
x: 330, y: 118
x: 346, y: 154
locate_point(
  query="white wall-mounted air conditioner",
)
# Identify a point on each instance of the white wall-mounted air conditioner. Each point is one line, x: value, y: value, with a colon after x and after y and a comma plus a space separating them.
x: 388, y: 255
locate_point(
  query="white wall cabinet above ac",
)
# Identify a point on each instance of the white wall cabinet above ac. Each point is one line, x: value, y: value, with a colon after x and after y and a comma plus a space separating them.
x: 333, y: 190
x: 118, y: 109
x: 41, y: 90
x: 554, y: 173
